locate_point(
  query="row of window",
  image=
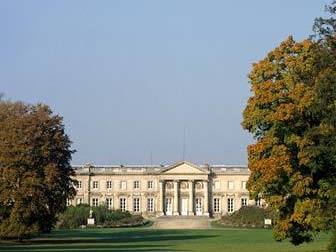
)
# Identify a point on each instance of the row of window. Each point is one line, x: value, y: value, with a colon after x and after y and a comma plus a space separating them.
x: 150, y: 185
x: 230, y: 185
x: 150, y: 203
x: 122, y: 202
x: 122, y: 185
x: 230, y: 204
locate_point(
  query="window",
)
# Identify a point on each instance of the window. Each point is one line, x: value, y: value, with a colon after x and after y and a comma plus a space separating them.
x: 258, y: 202
x: 95, y: 202
x: 169, y: 185
x: 136, y: 205
x: 243, y: 202
x: 150, y: 185
x: 216, y: 205
x: 217, y: 184
x: 230, y: 206
x: 79, y: 184
x: 109, y: 184
x: 123, y: 185
x: 136, y: 184
x: 199, y: 185
x: 68, y: 202
x: 244, y: 185
x: 79, y: 201
x: 95, y: 184
x: 230, y: 185
x: 123, y: 204
x: 184, y: 185
x: 109, y: 203
x: 150, y: 204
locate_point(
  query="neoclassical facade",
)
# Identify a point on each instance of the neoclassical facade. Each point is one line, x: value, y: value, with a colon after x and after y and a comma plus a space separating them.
x: 182, y: 188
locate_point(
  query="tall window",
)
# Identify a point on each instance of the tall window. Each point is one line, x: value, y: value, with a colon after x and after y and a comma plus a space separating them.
x: 258, y: 202
x: 95, y: 202
x: 230, y: 205
x: 109, y: 184
x: 123, y: 185
x: 79, y: 201
x: 150, y: 204
x: 150, y: 185
x: 123, y: 204
x: 244, y: 185
x: 109, y: 203
x: 95, y: 184
x: 230, y: 185
x: 136, y: 184
x: 243, y: 202
x: 216, y: 205
x: 79, y: 184
x: 136, y: 205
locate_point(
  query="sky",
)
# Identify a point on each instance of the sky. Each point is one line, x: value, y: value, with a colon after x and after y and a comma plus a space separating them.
x: 133, y: 79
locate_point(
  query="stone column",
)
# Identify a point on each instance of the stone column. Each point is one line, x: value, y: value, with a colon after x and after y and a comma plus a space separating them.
x: 191, y: 198
x: 206, y: 198
x: 176, y: 200
x: 161, y: 209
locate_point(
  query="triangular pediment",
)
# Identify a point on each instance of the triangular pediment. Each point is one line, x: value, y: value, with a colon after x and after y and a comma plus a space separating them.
x: 184, y: 167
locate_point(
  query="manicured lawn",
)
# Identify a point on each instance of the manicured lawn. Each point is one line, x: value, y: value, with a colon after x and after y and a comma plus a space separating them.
x: 142, y: 239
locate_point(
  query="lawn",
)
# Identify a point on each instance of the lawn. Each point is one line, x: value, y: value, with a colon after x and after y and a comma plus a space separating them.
x: 143, y: 239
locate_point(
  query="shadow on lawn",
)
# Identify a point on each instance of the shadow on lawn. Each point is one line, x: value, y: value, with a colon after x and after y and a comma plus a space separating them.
x: 105, y: 240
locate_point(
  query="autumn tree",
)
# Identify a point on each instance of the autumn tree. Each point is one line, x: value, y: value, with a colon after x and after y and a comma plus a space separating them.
x: 292, y: 115
x: 35, y: 171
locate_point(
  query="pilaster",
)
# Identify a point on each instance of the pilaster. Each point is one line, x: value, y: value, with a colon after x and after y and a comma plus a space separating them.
x: 176, y: 199
x: 206, y: 198
x: 191, y: 197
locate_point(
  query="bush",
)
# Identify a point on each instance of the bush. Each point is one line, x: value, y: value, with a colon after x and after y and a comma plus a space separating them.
x: 249, y: 216
x: 74, y: 217
x: 102, y: 214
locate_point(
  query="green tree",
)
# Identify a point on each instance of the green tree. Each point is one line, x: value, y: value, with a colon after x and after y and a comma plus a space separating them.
x: 35, y: 171
x: 292, y: 115
x: 325, y: 28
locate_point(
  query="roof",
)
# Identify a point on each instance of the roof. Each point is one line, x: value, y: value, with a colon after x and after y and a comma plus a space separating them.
x: 150, y: 169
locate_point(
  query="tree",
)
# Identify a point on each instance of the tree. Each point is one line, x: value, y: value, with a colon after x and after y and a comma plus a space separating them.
x: 325, y: 28
x: 35, y: 171
x: 292, y: 116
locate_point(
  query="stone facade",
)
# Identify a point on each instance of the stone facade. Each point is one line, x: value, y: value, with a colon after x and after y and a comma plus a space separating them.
x: 179, y: 189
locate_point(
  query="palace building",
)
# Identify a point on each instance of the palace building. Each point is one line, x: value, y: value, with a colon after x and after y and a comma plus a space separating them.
x: 155, y: 190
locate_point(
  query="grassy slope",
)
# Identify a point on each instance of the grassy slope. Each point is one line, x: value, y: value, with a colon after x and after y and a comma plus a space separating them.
x: 138, y: 239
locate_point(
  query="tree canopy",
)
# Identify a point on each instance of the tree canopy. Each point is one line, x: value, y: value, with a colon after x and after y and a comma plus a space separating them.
x: 35, y: 171
x: 292, y: 115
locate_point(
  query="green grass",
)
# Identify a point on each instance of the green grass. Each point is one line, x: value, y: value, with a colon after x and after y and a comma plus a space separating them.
x: 142, y: 239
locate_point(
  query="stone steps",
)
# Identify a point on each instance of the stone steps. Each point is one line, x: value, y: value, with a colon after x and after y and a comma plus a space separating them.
x: 182, y: 222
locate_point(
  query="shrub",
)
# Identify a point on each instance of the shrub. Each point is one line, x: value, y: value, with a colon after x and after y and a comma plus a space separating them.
x: 249, y: 216
x: 76, y: 216
x: 102, y: 214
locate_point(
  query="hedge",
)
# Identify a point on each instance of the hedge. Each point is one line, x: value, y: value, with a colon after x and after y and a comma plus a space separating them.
x: 76, y: 216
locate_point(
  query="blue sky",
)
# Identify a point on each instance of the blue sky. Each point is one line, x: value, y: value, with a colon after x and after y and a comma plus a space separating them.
x: 128, y: 76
